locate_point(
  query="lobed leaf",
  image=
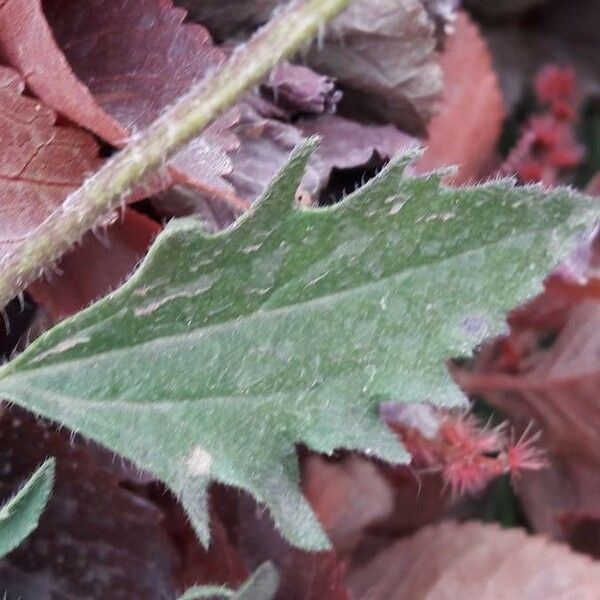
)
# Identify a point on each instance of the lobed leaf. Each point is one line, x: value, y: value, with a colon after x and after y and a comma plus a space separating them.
x: 223, y: 352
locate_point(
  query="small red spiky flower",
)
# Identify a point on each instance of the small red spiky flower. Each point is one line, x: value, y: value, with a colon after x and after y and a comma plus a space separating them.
x: 547, y: 146
x: 467, y: 455
x: 523, y: 454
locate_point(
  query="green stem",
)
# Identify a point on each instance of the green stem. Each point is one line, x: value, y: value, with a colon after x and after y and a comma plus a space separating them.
x: 103, y: 192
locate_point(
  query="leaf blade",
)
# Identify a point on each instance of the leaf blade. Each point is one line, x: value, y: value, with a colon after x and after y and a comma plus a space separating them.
x: 291, y: 327
x: 20, y: 515
x: 261, y: 585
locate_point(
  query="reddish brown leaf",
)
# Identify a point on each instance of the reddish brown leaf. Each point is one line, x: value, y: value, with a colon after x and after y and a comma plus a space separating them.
x: 98, y: 265
x: 113, y: 67
x: 27, y: 43
x: 138, y: 58
x: 135, y: 57
x: 348, y: 496
x: 476, y: 561
x: 362, y: 504
x: 466, y: 129
x: 556, y: 498
x: 40, y: 163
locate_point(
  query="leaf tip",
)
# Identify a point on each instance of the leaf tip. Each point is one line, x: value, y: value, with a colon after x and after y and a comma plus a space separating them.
x: 280, y: 194
x: 263, y: 583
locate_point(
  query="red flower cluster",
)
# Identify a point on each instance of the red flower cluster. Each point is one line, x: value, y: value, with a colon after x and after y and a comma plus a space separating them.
x: 547, y: 145
x: 467, y: 456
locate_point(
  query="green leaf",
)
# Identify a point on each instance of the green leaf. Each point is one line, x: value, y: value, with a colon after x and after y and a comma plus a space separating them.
x: 222, y: 352
x: 262, y: 585
x: 20, y: 515
x: 206, y: 591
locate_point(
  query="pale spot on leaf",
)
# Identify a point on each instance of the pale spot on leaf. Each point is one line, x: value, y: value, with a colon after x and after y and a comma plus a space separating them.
x: 199, y: 462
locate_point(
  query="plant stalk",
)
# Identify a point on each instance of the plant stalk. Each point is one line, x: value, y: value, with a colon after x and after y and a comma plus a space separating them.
x: 85, y: 208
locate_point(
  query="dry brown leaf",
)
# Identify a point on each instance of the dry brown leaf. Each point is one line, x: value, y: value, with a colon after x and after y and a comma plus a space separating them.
x: 555, y: 499
x: 382, y: 52
x: 363, y: 505
x: 311, y: 576
x: 463, y: 562
x: 40, y: 164
x: 265, y: 145
x: 466, y: 130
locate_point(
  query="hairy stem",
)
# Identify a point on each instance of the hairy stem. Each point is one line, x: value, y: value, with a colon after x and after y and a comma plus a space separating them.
x: 103, y: 192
